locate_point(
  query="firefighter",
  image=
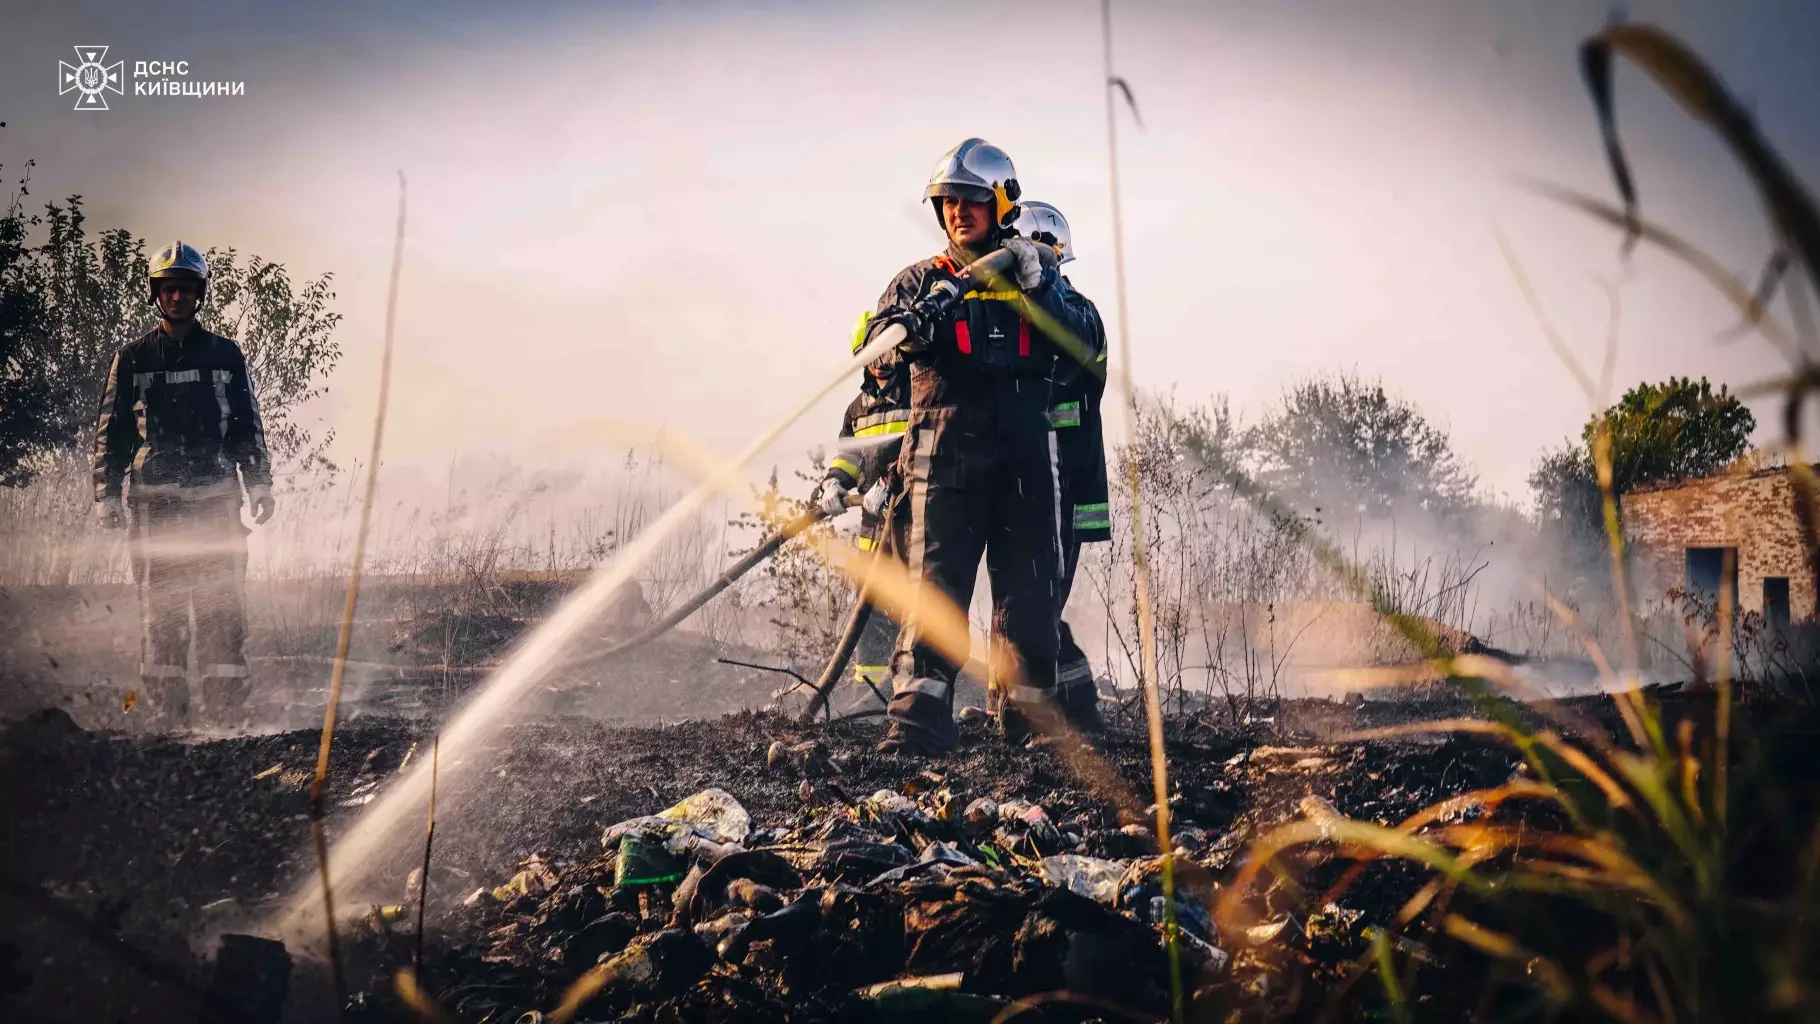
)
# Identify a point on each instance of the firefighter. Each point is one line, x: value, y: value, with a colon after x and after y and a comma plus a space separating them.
x: 178, y: 418
x: 872, y: 431
x: 1081, y: 461
x: 977, y: 459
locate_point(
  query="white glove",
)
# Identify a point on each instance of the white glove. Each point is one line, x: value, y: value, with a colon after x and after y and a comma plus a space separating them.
x: 873, y: 504
x: 1032, y: 257
x: 831, y: 497
x: 263, y: 505
x: 110, y: 513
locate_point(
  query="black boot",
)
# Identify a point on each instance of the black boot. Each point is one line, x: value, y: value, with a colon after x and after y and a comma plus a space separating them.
x: 921, y: 724
x: 224, y: 700
x: 170, y: 699
x: 1081, y: 706
x: 1019, y: 720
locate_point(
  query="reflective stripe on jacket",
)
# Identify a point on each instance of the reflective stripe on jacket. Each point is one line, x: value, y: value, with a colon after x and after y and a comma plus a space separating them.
x: 179, y: 413
x: 1080, y: 441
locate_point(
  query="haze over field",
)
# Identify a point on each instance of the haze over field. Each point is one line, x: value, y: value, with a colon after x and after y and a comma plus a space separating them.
x: 669, y: 215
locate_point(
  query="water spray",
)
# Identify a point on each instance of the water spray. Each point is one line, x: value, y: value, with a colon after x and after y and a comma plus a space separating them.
x: 354, y: 858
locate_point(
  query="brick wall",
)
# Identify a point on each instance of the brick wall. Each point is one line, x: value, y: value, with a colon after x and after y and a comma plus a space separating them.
x: 1754, y: 514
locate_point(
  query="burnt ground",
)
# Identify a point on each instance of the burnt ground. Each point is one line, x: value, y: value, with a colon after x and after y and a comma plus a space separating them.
x: 124, y: 860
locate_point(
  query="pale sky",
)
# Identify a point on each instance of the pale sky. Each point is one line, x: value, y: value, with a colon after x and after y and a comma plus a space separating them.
x: 670, y: 214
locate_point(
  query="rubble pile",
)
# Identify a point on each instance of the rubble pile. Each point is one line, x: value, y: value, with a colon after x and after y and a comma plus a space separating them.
x: 914, y: 900
x: 946, y: 892
x: 747, y: 868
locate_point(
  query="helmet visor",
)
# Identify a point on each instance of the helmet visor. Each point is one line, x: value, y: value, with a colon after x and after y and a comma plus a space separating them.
x: 971, y: 193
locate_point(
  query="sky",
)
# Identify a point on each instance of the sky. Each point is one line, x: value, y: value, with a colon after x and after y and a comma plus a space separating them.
x: 641, y: 216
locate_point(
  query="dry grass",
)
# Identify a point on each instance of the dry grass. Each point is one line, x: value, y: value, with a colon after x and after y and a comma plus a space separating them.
x: 1644, y: 841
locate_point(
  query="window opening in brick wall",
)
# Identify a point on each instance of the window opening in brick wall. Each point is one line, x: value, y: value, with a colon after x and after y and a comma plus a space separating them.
x: 1706, y: 567
x: 1775, y: 602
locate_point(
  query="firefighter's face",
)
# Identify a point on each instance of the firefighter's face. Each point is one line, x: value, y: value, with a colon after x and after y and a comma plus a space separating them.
x: 177, y: 299
x: 968, y: 222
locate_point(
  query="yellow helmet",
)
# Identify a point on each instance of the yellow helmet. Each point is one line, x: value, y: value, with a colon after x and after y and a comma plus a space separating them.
x: 177, y: 259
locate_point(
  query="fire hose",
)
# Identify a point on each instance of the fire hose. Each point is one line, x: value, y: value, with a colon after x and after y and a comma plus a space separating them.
x: 942, y: 295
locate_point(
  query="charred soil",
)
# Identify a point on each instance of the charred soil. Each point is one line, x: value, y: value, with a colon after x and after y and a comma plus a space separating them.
x: 993, y: 874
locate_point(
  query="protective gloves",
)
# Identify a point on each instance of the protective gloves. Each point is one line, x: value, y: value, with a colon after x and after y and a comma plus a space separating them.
x: 873, y: 504
x: 1032, y: 258
x: 110, y: 513
x: 263, y: 505
x: 916, y: 339
x: 831, y: 496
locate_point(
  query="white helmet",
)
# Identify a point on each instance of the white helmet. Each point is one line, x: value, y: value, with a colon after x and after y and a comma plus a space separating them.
x: 178, y: 259
x: 980, y: 172
x: 1041, y: 222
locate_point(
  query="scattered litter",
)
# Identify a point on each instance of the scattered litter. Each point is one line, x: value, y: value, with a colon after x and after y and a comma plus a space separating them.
x: 535, y: 879
x: 1091, y: 877
x: 715, y: 813
x: 1259, y: 934
x: 973, y: 714
x: 269, y: 772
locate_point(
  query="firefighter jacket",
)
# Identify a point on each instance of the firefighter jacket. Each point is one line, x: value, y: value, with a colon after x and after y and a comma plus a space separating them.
x: 873, y: 426
x: 984, y: 370
x: 1079, y: 435
x: 179, y: 413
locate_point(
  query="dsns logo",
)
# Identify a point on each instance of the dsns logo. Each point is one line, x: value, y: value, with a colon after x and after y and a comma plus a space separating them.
x: 89, y: 77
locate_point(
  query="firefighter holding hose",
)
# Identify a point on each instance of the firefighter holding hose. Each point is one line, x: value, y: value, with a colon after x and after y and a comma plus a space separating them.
x: 978, y: 457
x: 178, y: 418
x: 1080, y: 383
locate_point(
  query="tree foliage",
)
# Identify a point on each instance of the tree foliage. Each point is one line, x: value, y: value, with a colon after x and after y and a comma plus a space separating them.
x: 69, y: 302
x: 1352, y: 450
x: 1677, y: 430
x: 1680, y: 429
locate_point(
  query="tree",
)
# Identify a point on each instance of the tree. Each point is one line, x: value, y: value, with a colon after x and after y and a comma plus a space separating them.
x: 66, y: 306
x: 1678, y: 430
x: 25, y: 406
x: 1351, y: 449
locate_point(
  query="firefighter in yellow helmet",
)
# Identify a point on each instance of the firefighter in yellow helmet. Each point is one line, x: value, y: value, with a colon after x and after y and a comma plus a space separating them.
x: 177, y: 438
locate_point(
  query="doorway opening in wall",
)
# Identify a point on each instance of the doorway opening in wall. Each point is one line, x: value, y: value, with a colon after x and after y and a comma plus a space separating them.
x: 1707, y: 568
x: 1775, y: 602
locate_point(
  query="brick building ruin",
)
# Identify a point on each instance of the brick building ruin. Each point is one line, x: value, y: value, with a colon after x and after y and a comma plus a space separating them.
x: 1690, y: 535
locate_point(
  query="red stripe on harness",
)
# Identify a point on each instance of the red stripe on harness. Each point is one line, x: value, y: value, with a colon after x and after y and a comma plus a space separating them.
x: 1023, y: 337
x: 963, y: 339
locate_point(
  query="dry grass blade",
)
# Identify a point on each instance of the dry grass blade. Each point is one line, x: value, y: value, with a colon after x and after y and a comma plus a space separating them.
x: 1546, y: 972
x: 1748, y: 303
x: 412, y: 995
x: 1553, y: 336
x: 429, y: 837
x: 1332, y: 828
x: 1031, y: 1002
x: 317, y: 831
x: 579, y: 992
x: 1151, y: 675
x: 1698, y: 89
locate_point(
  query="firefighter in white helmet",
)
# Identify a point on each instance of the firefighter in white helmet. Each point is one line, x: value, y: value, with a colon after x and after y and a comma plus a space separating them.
x: 978, y: 461
x: 1081, y: 465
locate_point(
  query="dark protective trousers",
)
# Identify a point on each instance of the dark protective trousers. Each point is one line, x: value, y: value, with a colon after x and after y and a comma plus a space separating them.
x: 1072, y: 669
x: 972, y: 496
x: 189, y: 562
x: 872, y: 654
